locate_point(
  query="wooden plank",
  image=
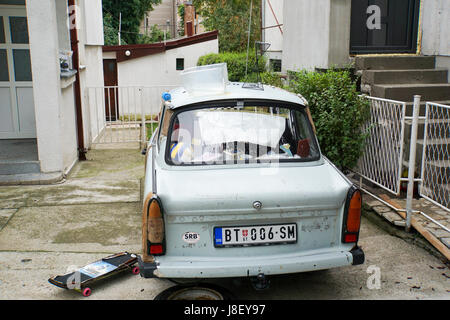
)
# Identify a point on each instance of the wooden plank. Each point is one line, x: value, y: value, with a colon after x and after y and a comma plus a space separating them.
x: 421, y: 229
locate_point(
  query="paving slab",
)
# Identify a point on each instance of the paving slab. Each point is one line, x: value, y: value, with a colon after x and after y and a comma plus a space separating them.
x: 406, y: 272
x: 24, y: 276
x: 5, y: 215
x: 75, y: 191
x: 111, y: 165
x: 88, y: 228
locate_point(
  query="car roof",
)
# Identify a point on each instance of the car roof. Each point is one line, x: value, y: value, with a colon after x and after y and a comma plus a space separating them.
x: 233, y: 91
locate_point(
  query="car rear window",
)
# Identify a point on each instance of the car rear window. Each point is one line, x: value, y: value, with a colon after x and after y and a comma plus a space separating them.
x: 246, y: 134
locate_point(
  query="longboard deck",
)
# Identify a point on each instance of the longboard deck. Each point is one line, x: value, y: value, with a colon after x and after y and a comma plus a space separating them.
x: 95, y: 271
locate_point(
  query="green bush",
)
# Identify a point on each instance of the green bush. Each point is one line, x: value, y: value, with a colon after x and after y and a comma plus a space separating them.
x: 236, y: 63
x: 337, y: 111
x: 272, y: 78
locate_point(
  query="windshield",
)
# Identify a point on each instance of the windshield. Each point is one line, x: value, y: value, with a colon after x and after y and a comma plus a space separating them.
x: 246, y: 134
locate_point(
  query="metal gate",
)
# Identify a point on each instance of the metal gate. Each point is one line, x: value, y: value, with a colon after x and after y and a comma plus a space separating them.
x: 435, y: 185
x: 135, y: 111
x: 381, y: 162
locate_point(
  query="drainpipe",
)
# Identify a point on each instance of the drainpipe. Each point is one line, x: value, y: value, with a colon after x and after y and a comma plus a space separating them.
x: 76, y: 65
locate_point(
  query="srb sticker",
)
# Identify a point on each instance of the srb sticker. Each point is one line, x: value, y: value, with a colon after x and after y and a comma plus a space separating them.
x: 191, y: 237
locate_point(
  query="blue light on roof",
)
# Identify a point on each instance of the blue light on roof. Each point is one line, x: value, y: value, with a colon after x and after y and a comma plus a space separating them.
x: 166, y: 96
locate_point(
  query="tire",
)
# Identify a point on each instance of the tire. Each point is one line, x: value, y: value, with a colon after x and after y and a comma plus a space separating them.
x: 203, y: 291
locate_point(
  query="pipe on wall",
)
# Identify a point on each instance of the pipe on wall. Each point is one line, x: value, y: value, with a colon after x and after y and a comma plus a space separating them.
x: 77, y: 87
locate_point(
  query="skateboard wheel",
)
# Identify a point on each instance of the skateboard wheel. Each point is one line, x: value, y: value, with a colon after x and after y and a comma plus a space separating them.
x: 87, y: 292
x: 136, y: 270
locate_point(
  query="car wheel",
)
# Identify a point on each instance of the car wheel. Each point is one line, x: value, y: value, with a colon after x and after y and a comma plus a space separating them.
x: 202, y: 291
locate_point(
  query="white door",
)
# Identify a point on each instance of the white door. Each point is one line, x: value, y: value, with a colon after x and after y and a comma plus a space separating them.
x: 16, y: 87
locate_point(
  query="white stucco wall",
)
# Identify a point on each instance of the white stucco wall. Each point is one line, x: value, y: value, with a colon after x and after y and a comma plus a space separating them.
x: 316, y: 33
x: 54, y: 98
x: 435, y: 27
x: 273, y: 35
x: 93, y: 17
x: 91, y: 40
x: 43, y: 28
x: 159, y: 71
x: 68, y: 128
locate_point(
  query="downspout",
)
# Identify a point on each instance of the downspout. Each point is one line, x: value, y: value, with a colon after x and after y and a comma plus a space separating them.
x: 76, y: 65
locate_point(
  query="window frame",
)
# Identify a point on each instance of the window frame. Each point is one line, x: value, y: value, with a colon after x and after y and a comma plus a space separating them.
x: 243, y: 103
x: 176, y: 64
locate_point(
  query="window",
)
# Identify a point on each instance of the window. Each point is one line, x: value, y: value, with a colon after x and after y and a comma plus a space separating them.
x: 22, y: 65
x: 180, y: 63
x: 19, y: 29
x: 249, y: 134
x: 2, y: 31
x: 4, y: 72
x: 275, y: 65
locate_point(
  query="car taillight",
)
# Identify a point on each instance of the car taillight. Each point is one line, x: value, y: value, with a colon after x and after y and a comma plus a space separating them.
x: 155, y: 228
x: 352, y: 216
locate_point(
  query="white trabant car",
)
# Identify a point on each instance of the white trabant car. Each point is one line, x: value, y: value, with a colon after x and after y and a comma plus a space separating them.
x: 236, y: 186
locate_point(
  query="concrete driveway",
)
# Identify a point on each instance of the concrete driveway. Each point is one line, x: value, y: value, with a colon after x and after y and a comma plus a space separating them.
x: 44, y: 230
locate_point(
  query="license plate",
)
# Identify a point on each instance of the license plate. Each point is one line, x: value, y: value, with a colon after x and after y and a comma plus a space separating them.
x: 255, y: 235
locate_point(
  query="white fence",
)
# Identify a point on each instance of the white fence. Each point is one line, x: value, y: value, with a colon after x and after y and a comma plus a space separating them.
x: 123, y: 114
x: 382, y: 160
x: 435, y: 184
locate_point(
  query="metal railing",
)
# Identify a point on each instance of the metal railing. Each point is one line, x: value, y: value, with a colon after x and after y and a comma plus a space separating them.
x: 123, y: 114
x: 381, y: 162
x: 435, y: 185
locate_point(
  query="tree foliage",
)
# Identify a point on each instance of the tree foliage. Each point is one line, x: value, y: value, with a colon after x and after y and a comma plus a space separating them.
x: 133, y: 12
x: 231, y: 18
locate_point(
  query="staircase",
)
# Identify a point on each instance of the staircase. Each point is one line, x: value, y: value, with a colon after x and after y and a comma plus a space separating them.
x: 402, y: 77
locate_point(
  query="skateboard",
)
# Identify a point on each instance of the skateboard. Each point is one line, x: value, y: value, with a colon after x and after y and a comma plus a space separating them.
x: 81, y: 279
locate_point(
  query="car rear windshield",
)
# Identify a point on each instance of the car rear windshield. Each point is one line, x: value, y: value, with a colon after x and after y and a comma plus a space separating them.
x: 245, y: 134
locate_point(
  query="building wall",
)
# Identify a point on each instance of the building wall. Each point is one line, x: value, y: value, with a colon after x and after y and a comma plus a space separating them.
x: 316, y: 34
x: 273, y: 35
x: 91, y: 60
x: 159, y: 70
x: 159, y: 16
x: 435, y: 26
x: 54, y: 98
x: 43, y: 26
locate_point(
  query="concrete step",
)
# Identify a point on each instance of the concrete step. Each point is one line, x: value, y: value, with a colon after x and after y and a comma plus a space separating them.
x: 406, y: 92
x: 422, y: 109
x: 404, y: 76
x: 19, y: 167
x: 394, y: 62
x: 31, y: 179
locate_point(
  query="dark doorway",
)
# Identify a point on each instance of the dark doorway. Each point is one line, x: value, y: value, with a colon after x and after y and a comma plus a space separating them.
x: 111, y: 89
x: 384, y: 26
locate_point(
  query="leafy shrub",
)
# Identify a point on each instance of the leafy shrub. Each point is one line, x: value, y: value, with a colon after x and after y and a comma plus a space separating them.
x: 337, y: 111
x: 236, y: 63
x: 272, y: 78
x: 155, y: 35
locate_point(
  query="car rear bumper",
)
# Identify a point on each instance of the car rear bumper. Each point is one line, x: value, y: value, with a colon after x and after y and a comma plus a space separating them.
x: 182, y: 267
